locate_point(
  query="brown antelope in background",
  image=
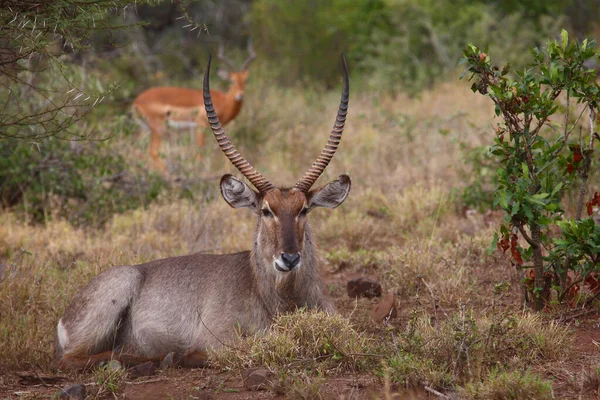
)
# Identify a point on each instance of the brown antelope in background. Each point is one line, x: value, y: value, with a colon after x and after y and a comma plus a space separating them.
x: 186, y: 305
x: 177, y: 107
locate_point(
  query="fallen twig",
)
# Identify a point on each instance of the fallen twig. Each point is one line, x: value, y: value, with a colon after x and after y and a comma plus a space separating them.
x: 146, y: 381
x: 579, y: 314
x: 435, y: 392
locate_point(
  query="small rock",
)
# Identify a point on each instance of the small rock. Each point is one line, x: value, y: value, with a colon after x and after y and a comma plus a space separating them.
x: 363, y: 287
x: 114, y: 365
x: 256, y: 378
x: 386, y: 307
x: 146, y: 369
x: 73, y: 392
x: 171, y: 360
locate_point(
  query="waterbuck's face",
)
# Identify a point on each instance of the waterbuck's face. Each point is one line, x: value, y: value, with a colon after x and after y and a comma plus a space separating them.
x: 282, y: 213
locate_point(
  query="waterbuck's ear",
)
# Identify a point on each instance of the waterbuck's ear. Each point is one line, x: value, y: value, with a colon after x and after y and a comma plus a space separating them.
x: 237, y: 194
x: 331, y: 195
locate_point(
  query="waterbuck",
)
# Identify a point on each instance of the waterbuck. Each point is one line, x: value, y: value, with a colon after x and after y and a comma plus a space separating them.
x: 186, y: 305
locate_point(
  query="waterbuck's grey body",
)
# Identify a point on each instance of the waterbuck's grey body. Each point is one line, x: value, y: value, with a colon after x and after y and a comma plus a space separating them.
x: 186, y: 305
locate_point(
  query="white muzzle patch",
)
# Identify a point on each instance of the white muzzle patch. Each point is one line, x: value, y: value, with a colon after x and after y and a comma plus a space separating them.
x: 280, y: 266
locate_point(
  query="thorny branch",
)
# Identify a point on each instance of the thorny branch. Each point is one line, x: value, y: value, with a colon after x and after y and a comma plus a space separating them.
x: 33, y: 35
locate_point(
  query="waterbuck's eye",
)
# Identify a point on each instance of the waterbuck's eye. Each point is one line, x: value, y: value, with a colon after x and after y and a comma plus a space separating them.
x: 267, y: 213
x: 304, y: 212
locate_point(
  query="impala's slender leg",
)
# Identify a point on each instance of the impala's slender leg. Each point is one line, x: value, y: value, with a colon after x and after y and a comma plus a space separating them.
x: 140, y: 120
x: 157, y: 130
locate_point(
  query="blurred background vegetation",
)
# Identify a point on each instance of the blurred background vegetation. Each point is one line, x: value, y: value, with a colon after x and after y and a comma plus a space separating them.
x: 70, y: 69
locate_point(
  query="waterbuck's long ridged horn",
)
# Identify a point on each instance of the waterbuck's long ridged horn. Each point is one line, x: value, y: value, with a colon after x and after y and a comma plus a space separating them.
x: 259, y: 182
x: 326, y: 155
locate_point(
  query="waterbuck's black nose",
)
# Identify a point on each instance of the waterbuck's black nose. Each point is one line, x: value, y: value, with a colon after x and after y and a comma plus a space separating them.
x: 290, y: 260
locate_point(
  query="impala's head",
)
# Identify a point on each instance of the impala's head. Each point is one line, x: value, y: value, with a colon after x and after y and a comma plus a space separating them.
x: 283, y: 236
x: 237, y: 78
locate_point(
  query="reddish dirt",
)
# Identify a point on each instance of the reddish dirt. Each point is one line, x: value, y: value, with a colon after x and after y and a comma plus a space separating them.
x: 197, y: 384
x: 572, y: 376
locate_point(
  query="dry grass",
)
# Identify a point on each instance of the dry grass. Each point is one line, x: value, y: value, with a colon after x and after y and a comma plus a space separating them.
x: 110, y: 380
x: 471, y: 348
x: 590, y: 380
x: 301, y: 350
x: 299, y: 386
x: 447, y: 270
x: 513, y: 385
x: 305, y: 340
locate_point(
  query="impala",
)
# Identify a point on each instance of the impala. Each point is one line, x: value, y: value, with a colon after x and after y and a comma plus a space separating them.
x: 185, y: 305
x: 159, y: 108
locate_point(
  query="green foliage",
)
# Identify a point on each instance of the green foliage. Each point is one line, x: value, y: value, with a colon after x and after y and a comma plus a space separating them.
x: 84, y: 184
x: 306, y: 37
x: 579, y: 245
x: 36, y: 27
x: 409, y: 370
x: 514, y: 385
x: 394, y: 43
x: 530, y: 8
x: 40, y: 95
x: 418, y: 45
x: 540, y: 160
x: 110, y: 378
x: 480, y: 173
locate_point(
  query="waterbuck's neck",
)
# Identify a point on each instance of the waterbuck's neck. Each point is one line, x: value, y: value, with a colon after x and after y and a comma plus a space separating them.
x: 281, y: 292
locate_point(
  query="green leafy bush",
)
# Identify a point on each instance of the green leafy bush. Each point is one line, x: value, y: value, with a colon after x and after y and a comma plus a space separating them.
x: 406, y: 44
x: 418, y: 45
x: 540, y: 160
x: 306, y: 37
x: 83, y: 182
x: 479, y: 170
